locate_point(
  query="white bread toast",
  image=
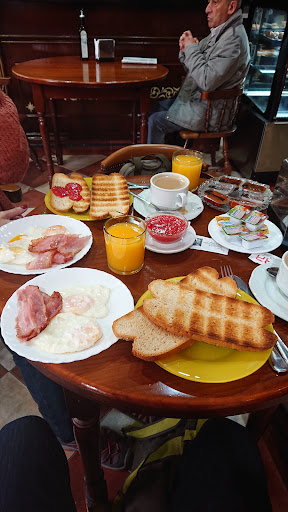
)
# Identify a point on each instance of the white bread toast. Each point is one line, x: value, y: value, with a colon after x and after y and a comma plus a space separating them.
x: 64, y: 204
x: 214, y: 319
x: 150, y: 342
x: 207, y: 280
x: 109, y: 197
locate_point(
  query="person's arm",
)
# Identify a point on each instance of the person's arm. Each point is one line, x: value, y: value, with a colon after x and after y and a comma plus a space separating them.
x: 14, y: 213
x: 185, y: 39
x: 223, y: 64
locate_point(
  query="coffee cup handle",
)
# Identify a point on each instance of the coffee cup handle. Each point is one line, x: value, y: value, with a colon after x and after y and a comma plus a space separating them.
x: 183, y: 200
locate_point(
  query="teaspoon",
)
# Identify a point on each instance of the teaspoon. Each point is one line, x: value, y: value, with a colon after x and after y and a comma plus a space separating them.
x: 277, y: 363
x: 272, y: 271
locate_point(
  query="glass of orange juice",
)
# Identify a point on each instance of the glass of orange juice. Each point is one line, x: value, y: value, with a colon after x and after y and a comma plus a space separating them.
x: 189, y: 163
x: 125, y: 244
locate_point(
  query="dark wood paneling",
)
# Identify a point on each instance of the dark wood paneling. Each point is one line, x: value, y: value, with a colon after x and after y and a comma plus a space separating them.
x: 30, y: 30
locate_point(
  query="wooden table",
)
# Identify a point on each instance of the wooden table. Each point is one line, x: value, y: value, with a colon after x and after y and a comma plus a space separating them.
x: 117, y: 379
x: 61, y: 77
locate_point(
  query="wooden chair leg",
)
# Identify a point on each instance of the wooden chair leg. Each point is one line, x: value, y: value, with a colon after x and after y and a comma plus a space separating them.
x: 58, y: 147
x: 227, y: 165
x: 213, y: 157
x: 34, y: 157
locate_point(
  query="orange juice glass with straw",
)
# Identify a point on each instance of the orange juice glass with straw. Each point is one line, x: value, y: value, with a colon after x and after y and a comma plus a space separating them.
x: 188, y: 163
x: 125, y: 244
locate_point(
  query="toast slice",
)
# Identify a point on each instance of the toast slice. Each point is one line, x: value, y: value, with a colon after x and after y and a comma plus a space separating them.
x: 207, y: 280
x: 110, y: 196
x: 150, y: 342
x: 65, y: 203
x: 208, y: 317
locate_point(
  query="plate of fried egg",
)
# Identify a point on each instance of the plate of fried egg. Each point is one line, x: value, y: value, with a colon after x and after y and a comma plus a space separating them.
x: 41, y: 243
x: 75, y: 311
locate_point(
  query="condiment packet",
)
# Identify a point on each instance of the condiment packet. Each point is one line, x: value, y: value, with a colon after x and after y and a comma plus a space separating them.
x: 237, y: 213
x: 204, y: 243
x: 265, y: 257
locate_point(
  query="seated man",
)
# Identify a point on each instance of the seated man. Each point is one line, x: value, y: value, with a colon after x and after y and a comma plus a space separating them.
x: 220, y: 61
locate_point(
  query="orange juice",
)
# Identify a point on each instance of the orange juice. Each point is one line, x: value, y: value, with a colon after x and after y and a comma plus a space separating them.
x: 125, y: 245
x: 189, y: 164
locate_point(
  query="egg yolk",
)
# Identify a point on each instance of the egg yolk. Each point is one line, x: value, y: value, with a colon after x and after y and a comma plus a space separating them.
x: 18, y: 237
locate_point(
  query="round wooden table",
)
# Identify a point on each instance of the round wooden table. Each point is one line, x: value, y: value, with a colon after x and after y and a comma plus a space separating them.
x: 117, y: 379
x: 69, y: 77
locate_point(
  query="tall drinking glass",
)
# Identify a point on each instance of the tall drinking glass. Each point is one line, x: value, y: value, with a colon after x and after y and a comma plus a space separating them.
x: 125, y: 244
x: 188, y: 163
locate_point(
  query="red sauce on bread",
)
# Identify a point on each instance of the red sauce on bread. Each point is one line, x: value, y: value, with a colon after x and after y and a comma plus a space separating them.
x: 71, y: 189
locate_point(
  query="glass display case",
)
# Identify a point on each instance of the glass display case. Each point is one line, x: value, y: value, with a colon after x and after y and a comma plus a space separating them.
x: 260, y: 143
x: 268, y: 41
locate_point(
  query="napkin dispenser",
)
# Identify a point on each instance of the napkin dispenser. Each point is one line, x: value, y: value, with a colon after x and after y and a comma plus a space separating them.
x: 104, y: 49
x: 278, y: 208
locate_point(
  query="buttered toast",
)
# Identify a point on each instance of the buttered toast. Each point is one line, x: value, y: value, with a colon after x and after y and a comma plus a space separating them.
x: 150, y: 342
x: 109, y: 196
x: 214, y: 319
x: 67, y: 193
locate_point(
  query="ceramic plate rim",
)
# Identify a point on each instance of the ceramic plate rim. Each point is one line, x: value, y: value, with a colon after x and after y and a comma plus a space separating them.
x: 164, y: 248
x: 256, y: 365
x: 141, y: 208
x: 258, y: 291
x: 78, y: 275
x: 216, y: 235
x: 44, y: 220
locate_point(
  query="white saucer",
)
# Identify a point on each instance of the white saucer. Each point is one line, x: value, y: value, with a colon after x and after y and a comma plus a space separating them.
x: 274, y: 240
x: 188, y: 211
x: 267, y: 293
x: 184, y: 243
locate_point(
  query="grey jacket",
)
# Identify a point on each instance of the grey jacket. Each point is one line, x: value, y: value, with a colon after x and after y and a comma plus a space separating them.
x: 219, y: 62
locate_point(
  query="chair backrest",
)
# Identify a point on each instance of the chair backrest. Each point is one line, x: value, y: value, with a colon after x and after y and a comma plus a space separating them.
x: 4, y: 81
x: 226, y: 95
x: 114, y: 161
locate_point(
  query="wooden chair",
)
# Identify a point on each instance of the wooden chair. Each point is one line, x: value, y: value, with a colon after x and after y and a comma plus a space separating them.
x: 209, y: 141
x: 4, y: 81
x: 114, y: 162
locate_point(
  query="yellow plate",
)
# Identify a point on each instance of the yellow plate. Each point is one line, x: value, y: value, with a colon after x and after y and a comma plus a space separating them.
x: 207, y: 363
x: 71, y: 213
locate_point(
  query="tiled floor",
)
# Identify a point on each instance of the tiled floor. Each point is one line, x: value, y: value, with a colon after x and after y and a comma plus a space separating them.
x: 14, y: 397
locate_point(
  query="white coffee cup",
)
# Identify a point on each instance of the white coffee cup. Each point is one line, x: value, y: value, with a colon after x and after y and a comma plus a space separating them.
x: 169, y: 190
x: 282, y: 276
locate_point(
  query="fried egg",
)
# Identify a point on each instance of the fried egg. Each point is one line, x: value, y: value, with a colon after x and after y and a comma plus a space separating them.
x: 75, y: 328
x: 16, y: 251
x: 88, y: 301
x: 68, y: 332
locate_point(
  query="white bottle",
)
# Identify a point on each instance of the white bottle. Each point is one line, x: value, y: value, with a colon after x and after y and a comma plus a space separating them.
x: 83, y: 37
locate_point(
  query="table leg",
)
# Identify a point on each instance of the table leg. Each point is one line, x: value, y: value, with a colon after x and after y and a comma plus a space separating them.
x: 86, y: 420
x: 144, y: 112
x: 39, y: 103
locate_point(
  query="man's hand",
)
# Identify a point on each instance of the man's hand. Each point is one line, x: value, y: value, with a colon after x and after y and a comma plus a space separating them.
x: 13, y: 214
x: 186, y: 39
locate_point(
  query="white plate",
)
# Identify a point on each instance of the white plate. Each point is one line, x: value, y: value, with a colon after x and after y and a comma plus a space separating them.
x: 188, y: 211
x: 274, y: 240
x: 22, y: 226
x: 186, y: 241
x: 120, y: 303
x: 266, y: 291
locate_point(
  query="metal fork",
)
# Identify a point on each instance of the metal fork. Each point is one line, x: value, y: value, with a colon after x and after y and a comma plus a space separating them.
x: 226, y: 271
